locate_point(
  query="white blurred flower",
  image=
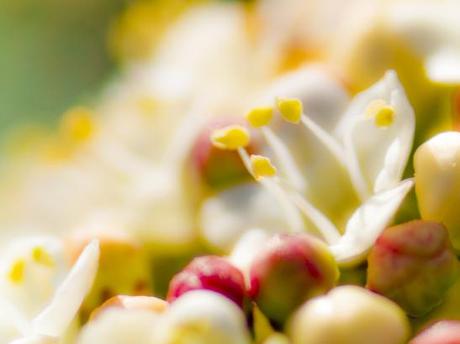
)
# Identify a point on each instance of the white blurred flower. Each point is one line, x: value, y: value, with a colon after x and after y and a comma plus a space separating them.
x: 38, y: 304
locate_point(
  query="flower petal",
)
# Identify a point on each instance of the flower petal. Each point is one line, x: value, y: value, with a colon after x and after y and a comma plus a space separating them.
x: 38, y: 339
x: 226, y: 216
x: 56, y: 317
x: 379, y: 143
x: 368, y: 222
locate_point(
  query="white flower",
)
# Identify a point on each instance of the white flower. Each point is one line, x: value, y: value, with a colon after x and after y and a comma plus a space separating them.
x: 48, y: 324
x: 343, y: 172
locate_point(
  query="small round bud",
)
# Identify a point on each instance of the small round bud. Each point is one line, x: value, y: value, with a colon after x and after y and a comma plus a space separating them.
x: 204, y: 317
x: 287, y: 271
x: 146, y: 303
x: 262, y: 167
x: 349, y: 315
x: 209, y: 273
x: 437, y: 182
x: 443, y: 332
x: 123, y: 267
x: 413, y: 264
x: 213, y: 166
x: 260, y: 117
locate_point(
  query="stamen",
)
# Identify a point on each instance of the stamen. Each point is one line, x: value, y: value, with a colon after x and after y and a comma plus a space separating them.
x: 291, y: 109
x: 382, y: 113
x: 293, y: 216
x: 327, y: 229
x: 339, y: 153
x: 78, y: 124
x: 41, y: 256
x: 260, y: 117
x: 230, y: 138
x: 285, y: 160
x: 16, y: 273
x: 262, y: 167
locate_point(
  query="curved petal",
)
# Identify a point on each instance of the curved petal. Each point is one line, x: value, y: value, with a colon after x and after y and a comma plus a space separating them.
x: 379, y: 150
x: 56, y: 317
x: 368, y: 222
x: 36, y: 340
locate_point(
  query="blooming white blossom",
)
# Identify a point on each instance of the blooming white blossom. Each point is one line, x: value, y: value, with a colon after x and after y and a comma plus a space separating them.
x: 33, y: 308
x: 358, y: 162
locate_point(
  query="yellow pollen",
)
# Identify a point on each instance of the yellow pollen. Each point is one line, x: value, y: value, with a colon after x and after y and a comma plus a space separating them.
x: 41, y: 256
x: 231, y: 137
x: 147, y: 105
x: 291, y: 109
x: 262, y: 167
x: 78, y: 124
x: 259, y: 117
x: 16, y: 273
x: 382, y: 113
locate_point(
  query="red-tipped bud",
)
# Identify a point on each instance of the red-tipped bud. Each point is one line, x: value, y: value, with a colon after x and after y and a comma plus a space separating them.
x: 413, y: 264
x: 209, y: 273
x: 443, y: 332
x: 289, y: 270
x: 217, y: 168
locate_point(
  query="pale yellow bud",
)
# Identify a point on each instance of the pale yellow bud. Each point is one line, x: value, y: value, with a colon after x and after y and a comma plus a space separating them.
x: 349, y: 315
x: 437, y: 182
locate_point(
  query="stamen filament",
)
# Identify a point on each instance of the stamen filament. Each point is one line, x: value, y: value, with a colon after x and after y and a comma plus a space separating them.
x: 284, y: 159
x: 339, y: 153
x: 292, y: 214
x: 327, y: 229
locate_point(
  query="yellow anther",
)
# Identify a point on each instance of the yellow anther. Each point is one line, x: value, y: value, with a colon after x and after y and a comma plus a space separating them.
x: 78, y: 124
x: 231, y: 137
x: 147, y: 104
x: 262, y: 167
x: 16, y: 273
x: 382, y: 113
x: 41, y: 256
x: 260, y: 116
x: 291, y: 109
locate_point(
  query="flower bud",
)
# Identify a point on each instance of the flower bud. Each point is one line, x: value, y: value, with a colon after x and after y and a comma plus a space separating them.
x: 204, y: 317
x: 146, y: 303
x: 216, y: 167
x: 123, y: 268
x: 349, y: 315
x: 413, y: 264
x: 437, y: 182
x: 443, y: 332
x: 210, y: 273
x: 289, y: 270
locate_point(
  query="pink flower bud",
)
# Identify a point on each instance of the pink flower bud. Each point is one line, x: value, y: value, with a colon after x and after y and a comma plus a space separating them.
x: 215, y: 167
x: 289, y: 270
x: 413, y: 264
x: 443, y: 332
x: 209, y: 273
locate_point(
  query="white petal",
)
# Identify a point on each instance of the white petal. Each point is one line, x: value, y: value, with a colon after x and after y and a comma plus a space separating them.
x: 368, y: 222
x: 37, y: 339
x: 207, y: 318
x: 380, y: 153
x: 57, y: 316
x: 226, y: 216
x: 120, y: 326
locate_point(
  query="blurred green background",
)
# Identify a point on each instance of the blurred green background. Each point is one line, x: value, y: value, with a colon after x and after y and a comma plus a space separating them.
x: 52, y: 53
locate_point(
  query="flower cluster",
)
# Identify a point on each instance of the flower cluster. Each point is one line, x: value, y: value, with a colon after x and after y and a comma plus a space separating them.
x: 270, y: 172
